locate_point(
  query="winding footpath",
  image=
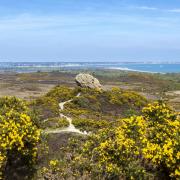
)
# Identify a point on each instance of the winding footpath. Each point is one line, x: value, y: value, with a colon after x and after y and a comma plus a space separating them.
x: 71, y: 127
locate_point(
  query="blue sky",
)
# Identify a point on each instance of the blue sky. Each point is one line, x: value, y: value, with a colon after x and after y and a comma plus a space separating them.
x: 90, y: 30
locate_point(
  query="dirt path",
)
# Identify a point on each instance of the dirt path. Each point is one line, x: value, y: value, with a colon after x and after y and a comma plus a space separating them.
x: 71, y: 127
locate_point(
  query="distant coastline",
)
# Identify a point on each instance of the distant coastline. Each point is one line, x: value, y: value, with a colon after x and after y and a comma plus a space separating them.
x: 58, y: 66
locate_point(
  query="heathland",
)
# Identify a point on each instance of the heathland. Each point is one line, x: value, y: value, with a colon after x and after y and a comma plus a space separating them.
x: 53, y: 129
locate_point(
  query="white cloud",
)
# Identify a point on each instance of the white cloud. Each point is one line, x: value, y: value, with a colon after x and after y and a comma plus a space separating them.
x: 174, y: 10
x: 145, y: 8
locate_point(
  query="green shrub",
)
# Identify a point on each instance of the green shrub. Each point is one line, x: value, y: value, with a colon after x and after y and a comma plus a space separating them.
x: 115, y: 102
x: 62, y: 122
x: 54, y: 123
x: 122, y: 97
x: 90, y: 125
x: 62, y: 93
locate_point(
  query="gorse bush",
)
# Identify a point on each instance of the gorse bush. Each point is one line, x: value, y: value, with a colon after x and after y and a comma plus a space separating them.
x: 126, y: 141
x: 120, y: 97
x: 9, y: 103
x: 140, y: 147
x: 113, y: 102
x: 162, y: 141
x: 18, y: 135
x: 62, y: 93
x: 90, y: 125
x: 48, y: 105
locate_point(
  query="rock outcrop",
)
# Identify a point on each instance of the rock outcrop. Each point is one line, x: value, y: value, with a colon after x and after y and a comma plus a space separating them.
x: 87, y: 80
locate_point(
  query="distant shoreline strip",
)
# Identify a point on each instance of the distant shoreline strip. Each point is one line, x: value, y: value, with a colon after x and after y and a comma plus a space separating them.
x: 127, y: 69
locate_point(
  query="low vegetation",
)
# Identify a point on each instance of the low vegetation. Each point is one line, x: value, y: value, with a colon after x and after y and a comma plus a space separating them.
x: 129, y: 137
x: 139, y: 147
x: 54, y: 123
x: 19, y: 136
x: 90, y: 125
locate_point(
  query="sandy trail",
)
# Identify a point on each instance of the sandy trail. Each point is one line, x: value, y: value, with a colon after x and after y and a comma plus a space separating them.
x: 71, y: 127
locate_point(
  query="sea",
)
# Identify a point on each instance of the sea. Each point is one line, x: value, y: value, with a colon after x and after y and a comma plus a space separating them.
x: 26, y: 67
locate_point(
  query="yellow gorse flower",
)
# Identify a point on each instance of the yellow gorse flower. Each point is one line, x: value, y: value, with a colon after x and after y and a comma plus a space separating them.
x: 154, y: 137
x: 17, y: 132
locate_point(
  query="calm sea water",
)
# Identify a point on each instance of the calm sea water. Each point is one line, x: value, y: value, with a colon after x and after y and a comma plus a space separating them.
x: 55, y: 66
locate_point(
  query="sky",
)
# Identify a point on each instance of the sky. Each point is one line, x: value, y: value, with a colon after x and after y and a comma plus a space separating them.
x: 90, y: 30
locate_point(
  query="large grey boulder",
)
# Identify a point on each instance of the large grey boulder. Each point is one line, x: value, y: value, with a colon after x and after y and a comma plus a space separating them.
x: 86, y: 80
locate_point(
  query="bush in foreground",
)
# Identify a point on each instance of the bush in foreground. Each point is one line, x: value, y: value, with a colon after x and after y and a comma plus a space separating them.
x: 18, y: 135
x: 141, y: 147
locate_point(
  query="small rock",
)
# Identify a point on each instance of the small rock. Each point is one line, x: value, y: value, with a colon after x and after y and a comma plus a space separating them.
x: 87, y: 80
